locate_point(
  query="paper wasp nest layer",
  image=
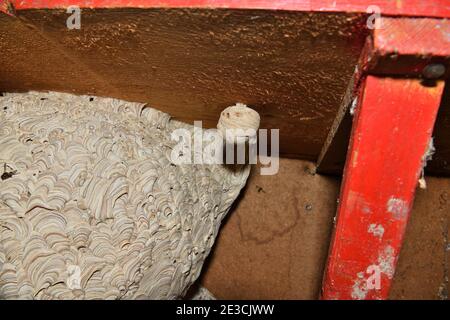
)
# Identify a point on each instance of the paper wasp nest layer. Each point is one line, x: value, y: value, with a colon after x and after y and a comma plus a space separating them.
x: 91, y: 205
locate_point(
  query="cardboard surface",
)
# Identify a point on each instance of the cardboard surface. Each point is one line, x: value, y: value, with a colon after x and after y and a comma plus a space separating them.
x: 274, y: 243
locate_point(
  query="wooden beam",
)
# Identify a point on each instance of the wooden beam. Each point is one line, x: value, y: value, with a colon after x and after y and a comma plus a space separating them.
x: 435, y: 8
x: 390, y: 136
x: 331, y: 159
x: 193, y: 63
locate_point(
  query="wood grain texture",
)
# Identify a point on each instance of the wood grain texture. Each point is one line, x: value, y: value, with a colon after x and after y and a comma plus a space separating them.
x: 292, y: 68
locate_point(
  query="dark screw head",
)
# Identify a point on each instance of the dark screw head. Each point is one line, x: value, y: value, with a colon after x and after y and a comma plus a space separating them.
x: 433, y: 71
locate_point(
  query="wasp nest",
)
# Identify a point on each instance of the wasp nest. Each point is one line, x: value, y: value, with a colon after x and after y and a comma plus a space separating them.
x: 91, y: 205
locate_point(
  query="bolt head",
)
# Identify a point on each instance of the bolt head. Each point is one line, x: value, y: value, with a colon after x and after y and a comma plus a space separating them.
x: 433, y: 71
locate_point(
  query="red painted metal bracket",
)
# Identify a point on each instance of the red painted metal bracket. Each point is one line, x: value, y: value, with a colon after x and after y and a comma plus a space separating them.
x: 391, y: 133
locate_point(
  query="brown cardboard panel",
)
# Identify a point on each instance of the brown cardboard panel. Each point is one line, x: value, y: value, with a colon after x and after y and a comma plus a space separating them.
x: 422, y: 271
x: 274, y: 243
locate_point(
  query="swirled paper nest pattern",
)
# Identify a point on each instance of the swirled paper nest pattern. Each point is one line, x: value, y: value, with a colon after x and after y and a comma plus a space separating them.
x: 88, y: 194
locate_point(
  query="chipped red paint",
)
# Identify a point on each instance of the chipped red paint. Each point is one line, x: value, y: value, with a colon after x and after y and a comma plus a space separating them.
x: 436, y: 8
x: 391, y: 131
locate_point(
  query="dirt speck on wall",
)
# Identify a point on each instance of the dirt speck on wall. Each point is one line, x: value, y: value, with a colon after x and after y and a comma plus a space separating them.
x: 274, y: 243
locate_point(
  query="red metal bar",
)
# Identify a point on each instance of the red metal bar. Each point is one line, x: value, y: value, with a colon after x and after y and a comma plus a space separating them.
x: 391, y: 131
x: 435, y: 8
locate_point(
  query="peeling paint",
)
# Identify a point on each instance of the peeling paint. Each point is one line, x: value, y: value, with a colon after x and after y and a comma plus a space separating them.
x: 386, y: 261
x: 398, y: 208
x: 376, y: 230
x: 359, y: 288
x: 385, y: 265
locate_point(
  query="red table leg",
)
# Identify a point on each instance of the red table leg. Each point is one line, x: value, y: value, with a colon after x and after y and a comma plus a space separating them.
x: 390, y: 136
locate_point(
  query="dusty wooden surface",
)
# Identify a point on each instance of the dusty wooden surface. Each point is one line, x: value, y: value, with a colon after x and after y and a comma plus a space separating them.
x: 274, y: 243
x: 292, y: 67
